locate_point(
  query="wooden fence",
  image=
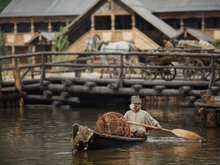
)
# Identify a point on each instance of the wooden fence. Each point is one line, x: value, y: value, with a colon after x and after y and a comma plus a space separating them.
x: 120, y: 70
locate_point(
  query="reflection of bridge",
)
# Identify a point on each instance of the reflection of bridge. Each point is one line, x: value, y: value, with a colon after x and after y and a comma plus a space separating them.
x: 78, y: 76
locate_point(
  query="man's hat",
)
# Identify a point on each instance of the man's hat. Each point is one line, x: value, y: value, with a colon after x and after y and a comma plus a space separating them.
x: 135, y: 99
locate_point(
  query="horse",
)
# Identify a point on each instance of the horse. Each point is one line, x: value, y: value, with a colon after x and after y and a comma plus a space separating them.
x: 97, y: 45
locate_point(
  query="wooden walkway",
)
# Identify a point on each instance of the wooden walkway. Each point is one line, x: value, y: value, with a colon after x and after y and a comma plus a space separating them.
x: 72, y: 78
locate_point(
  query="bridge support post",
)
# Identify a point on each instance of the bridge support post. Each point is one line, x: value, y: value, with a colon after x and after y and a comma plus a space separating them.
x: 210, y: 118
x: 18, y: 82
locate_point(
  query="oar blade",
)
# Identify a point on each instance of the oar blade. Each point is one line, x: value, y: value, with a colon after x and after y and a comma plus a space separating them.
x: 186, y: 134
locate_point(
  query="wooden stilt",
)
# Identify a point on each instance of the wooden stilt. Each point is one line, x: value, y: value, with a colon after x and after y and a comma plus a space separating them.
x: 18, y: 85
x: 210, y: 117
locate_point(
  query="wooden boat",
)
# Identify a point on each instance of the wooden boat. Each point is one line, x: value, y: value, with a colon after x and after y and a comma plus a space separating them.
x: 88, y: 139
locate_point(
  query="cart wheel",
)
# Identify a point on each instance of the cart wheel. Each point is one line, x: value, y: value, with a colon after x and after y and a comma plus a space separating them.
x: 192, y: 73
x: 149, y: 73
x: 208, y: 74
x: 168, y: 74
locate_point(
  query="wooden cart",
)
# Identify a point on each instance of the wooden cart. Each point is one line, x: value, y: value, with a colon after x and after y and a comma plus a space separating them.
x: 190, y: 72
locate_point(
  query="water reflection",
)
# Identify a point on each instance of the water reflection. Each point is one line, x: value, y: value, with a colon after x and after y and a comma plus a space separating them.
x: 42, y: 136
x: 139, y: 154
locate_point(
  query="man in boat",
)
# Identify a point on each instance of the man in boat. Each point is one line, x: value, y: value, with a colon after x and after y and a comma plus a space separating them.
x: 136, y: 114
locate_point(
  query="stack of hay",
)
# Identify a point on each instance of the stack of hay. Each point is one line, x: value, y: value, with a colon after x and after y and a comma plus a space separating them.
x: 113, y: 123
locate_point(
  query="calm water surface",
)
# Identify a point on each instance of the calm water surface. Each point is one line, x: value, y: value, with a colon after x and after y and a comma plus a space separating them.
x: 37, y: 136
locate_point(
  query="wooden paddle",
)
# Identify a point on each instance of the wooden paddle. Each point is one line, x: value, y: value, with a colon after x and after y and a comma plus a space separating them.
x: 178, y: 132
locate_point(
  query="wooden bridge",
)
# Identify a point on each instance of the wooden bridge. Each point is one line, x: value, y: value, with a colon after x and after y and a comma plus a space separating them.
x: 65, y: 78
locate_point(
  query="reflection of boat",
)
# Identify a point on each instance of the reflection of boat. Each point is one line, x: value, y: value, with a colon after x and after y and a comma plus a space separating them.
x: 84, y: 138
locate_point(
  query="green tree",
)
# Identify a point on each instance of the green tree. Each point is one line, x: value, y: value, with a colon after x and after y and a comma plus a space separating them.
x: 61, y: 42
x: 3, y: 4
x: 2, y: 48
x: 216, y: 44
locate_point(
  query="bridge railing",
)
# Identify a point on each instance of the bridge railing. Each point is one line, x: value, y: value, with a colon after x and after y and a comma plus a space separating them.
x: 151, y: 65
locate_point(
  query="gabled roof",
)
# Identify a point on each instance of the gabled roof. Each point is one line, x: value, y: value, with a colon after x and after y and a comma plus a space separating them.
x: 197, y: 34
x: 49, y: 35
x: 43, y: 38
x: 136, y: 6
x: 28, y: 8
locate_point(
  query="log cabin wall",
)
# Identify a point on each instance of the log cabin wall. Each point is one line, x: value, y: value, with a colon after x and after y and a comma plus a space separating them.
x: 208, y: 22
x: 18, y: 31
x: 112, y: 21
x: 115, y: 22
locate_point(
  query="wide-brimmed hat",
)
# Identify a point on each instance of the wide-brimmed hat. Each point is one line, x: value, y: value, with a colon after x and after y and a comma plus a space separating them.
x: 135, y: 100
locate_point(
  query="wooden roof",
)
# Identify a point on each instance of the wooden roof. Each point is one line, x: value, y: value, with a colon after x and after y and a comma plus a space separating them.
x: 43, y: 38
x: 135, y: 6
x: 24, y: 8
x: 30, y: 8
x: 160, y: 6
x: 197, y: 34
x: 147, y: 15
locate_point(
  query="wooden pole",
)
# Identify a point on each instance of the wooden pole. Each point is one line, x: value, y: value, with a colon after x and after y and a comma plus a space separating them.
x: 18, y: 82
x: 210, y: 117
x: 212, y: 72
x: 42, y: 70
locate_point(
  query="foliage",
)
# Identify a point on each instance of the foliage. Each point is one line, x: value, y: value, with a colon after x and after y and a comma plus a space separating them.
x: 29, y: 59
x: 3, y: 50
x: 2, y: 47
x: 61, y: 41
x: 216, y: 44
x: 3, y: 4
x: 1, y: 43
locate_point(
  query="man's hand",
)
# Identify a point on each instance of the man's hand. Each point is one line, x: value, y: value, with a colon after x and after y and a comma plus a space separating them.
x: 159, y: 126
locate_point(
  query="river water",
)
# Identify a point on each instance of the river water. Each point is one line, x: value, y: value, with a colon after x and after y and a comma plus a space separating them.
x: 41, y: 136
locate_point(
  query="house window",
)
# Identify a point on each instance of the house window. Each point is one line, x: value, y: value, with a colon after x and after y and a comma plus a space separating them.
x: 193, y: 23
x: 23, y: 27
x: 175, y: 23
x: 143, y: 25
x: 7, y: 28
x: 212, y: 22
x: 40, y: 27
x: 102, y: 22
x: 123, y: 22
x: 57, y: 25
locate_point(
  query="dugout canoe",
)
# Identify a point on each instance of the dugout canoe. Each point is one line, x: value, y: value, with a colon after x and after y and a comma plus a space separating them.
x: 90, y: 139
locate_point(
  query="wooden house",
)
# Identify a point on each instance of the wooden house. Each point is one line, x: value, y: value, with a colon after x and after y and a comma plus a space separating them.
x: 119, y: 21
x: 203, y: 15
x: 144, y: 22
x: 25, y: 21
